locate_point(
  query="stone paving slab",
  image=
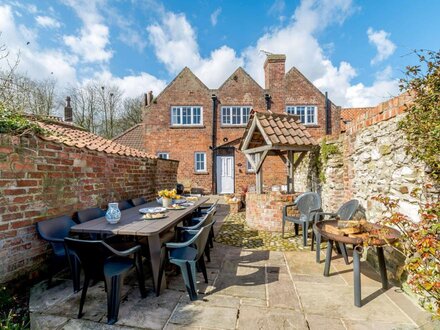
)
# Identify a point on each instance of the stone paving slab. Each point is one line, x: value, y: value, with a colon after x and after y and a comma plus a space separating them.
x: 247, y: 289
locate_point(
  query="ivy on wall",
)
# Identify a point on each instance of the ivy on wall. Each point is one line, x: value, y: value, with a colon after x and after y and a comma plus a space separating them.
x: 422, y: 123
x: 12, y: 122
x: 326, y: 150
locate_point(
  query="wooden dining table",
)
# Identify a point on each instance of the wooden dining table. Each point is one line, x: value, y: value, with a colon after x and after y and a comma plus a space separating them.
x: 133, y: 224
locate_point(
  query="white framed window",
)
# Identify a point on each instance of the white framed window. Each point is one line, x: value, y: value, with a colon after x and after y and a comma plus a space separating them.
x: 307, y: 113
x: 200, y: 161
x: 163, y: 155
x: 235, y: 115
x: 186, y: 115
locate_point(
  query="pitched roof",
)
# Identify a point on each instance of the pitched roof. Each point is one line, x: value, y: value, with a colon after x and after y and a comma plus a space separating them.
x: 132, y: 137
x: 73, y: 136
x: 280, y: 129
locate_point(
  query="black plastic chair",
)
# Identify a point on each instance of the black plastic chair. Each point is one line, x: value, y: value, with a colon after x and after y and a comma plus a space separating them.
x: 89, y: 214
x: 308, y: 204
x: 180, y: 189
x: 102, y: 262
x: 197, y: 223
x: 123, y: 205
x: 54, y: 231
x: 187, y: 255
x: 138, y: 201
x: 345, y: 212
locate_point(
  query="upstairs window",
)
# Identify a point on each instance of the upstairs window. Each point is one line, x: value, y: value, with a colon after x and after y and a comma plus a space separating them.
x: 235, y: 115
x: 163, y: 155
x: 186, y: 115
x: 307, y: 113
x: 200, y: 161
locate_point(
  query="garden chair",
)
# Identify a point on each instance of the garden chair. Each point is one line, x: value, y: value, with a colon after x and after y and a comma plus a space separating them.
x: 197, y: 223
x: 308, y: 204
x: 138, y: 201
x: 345, y: 212
x: 186, y: 255
x: 102, y: 262
x: 89, y: 214
x: 203, y: 211
x: 54, y: 231
x: 123, y: 205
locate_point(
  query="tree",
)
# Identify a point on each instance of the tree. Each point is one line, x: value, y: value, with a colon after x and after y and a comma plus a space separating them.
x: 422, y: 122
x: 131, y: 114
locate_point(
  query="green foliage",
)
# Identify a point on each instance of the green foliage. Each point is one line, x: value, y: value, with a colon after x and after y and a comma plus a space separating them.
x: 326, y: 150
x: 422, y: 123
x: 15, y: 123
x: 420, y: 244
x: 11, y: 317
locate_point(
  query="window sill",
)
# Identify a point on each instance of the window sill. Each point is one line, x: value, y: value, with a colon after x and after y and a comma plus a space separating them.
x: 200, y: 173
x: 187, y: 126
x: 233, y: 126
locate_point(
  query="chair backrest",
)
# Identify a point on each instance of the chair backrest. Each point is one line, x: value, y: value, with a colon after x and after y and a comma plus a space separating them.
x: 92, y: 255
x: 348, y: 209
x: 138, y: 201
x: 180, y: 189
x: 203, y: 236
x: 307, y: 202
x: 90, y: 214
x: 58, y: 228
x: 123, y: 205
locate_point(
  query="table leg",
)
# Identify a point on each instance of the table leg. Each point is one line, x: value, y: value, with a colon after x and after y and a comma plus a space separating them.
x: 382, y: 267
x: 328, y: 257
x: 155, y: 245
x: 357, y: 276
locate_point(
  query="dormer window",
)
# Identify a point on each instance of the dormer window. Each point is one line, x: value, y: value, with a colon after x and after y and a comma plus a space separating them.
x: 307, y: 113
x: 186, y: 116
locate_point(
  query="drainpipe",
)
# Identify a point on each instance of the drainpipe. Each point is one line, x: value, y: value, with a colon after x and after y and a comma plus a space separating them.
x: 328, y: 118
x: 268, y: 99
x: 214, y: 143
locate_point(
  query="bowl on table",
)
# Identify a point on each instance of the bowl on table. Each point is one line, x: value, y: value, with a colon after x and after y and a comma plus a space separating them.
x: 153, y: 212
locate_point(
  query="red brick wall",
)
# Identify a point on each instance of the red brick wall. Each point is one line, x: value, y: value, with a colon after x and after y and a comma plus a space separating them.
x: 40, y: 180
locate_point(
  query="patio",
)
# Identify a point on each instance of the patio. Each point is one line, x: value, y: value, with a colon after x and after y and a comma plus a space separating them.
x: 248, y: 289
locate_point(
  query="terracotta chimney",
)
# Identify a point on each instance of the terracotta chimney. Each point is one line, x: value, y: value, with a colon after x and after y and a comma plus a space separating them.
x: 68, y: 114
x: 274, y: 70
x: 148, y: 98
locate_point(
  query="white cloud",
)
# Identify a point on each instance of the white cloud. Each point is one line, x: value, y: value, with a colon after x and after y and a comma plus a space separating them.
x: 133, y: 85
x: 385, y: 47
x: 93, y: 39
x: 215, y: 15
x: 35, y: 62
x: 175, y: 45
x: 47, y: 22
x: 277, y: 7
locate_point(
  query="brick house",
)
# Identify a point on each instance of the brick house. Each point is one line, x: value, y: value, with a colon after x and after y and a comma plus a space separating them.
x: 202, y: 127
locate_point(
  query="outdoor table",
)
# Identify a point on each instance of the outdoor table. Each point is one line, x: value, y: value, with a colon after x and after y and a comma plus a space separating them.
x: 132, y: 224
x: 388, y: 235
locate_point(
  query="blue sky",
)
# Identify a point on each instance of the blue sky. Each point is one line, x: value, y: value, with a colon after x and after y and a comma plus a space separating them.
x: 355, y: 50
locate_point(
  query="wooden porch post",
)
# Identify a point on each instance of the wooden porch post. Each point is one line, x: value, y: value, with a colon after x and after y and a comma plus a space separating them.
x: 291, y: 171
x: 258, y: 175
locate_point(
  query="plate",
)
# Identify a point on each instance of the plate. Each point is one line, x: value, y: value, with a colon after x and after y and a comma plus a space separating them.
x: 153, y: 216
x: 152, y: 210
x: 176, y: 207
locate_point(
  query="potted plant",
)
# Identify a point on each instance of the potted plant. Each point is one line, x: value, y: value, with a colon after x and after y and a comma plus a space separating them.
x: 168, y: 196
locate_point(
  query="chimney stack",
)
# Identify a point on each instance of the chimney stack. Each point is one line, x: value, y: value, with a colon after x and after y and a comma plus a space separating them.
x: 274, y: 70
x: 68, y: 114
x: 148, y: 98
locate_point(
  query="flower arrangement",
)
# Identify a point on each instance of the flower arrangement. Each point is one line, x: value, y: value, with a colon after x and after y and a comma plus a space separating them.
x: 172, y: 194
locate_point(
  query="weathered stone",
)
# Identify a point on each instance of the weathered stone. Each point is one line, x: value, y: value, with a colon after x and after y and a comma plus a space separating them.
x: 385, y: 149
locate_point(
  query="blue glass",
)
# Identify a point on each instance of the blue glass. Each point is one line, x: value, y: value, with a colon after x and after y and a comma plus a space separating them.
x: 113, y: 214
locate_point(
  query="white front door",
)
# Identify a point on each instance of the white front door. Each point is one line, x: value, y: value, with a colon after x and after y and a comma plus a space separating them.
x: 225, y: 174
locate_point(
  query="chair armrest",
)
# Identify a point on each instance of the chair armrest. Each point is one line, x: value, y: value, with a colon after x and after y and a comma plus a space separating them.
x: 124, y: 253
x: 53, y: 239
x: 175, y: 245
x: 285, y: 208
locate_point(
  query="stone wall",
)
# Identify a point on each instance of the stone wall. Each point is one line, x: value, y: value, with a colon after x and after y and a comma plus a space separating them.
x: 372, y: 161
x: 40, y: 180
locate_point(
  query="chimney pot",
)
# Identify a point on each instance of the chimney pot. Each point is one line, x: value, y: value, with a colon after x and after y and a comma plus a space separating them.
x: 68, y: 113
